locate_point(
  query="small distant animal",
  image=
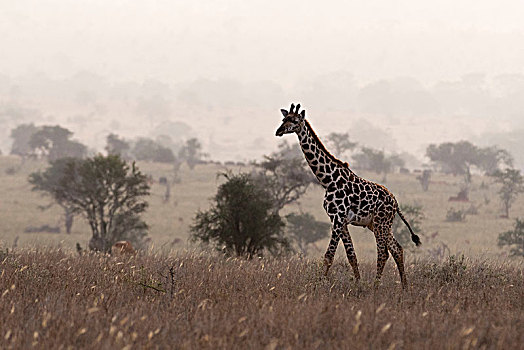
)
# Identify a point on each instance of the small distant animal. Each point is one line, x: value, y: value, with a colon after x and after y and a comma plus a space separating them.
x: 123, y: 248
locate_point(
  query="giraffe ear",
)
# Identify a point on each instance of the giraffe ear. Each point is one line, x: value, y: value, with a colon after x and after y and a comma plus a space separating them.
x: 303, y: 113
x: 284, y: 112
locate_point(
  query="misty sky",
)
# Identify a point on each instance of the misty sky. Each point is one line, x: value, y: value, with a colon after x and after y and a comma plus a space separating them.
x: 399, y: 74
x: 257, y: 40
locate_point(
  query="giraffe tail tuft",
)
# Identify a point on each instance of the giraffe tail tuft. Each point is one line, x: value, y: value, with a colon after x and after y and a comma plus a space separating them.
x: 414, y: 237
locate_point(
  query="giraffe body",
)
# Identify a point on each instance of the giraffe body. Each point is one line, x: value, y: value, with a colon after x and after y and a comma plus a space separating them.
x: 349, y: 199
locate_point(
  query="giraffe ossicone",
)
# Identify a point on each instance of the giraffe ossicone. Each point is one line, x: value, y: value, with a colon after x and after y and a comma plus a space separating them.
x: 349, y: 199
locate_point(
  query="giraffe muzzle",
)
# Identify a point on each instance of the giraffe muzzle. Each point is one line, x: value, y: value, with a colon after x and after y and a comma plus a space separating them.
x: 280, y: 131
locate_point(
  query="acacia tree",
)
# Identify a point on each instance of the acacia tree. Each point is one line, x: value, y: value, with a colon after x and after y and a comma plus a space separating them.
x: 106, y: 190
x: 21, y: 136
x: 455, y: 158
x: 116, y: 145
x: 304, y: 229
x: 491, y: 159
x: 285, y: 175
x: 241, y: 220
x: 191, y: 152
x: 48, y: 182
x: 55, y: 142
x: 512, y: 184
x: 148, y: 149
x: 458, y: 158
x: 340, y: 142
x: 377, y: 161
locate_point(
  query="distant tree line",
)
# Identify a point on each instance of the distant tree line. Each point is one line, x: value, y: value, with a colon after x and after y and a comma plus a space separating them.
x: 90, y: 185
x: 50, y: 142
x: 55, y: 142
x: 458, y: 158
x: 366, y: 158
x: 147, y: 149
x: 247, y: 205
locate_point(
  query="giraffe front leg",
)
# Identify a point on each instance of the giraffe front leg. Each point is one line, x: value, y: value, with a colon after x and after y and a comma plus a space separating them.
x: 350, y: 252
x: 332, y: 248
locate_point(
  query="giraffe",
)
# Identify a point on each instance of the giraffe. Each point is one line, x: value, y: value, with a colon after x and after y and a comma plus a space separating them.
x: 349, y: 199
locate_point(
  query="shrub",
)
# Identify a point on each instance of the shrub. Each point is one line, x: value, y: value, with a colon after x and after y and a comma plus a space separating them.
x: 241, y: 221
x: 514, y: 239
x: 305, y: 230
x: 455, y: 215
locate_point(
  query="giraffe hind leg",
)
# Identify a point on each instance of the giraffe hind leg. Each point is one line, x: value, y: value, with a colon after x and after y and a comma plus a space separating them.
x: 382, y: 251
x: 398, y: 254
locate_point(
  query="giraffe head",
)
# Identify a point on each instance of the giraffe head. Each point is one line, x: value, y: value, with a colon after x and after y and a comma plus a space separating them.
x: 292, y: 122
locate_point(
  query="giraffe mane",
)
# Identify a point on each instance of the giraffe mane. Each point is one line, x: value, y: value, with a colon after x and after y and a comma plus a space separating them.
x: 323, y: 148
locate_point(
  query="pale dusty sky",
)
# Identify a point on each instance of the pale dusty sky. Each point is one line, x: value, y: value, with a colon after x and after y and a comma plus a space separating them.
x: 282, y: 41
x: 279, y: 51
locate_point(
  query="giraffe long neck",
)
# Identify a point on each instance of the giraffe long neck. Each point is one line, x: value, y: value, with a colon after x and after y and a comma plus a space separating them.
x: 321, y: 162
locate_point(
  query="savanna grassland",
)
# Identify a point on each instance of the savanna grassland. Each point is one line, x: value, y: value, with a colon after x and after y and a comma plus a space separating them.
x: 476, y: 236
x: 51, y: 300
x: 173, y: 296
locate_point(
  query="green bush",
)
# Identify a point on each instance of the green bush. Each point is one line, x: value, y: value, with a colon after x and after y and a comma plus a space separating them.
x: 455, y: 215
x: 241, y: 221
x: 304, y: 229
x: 514, y: 239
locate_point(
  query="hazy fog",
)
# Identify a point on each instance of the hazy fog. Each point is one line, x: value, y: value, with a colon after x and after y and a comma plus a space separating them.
x: 396, y: 75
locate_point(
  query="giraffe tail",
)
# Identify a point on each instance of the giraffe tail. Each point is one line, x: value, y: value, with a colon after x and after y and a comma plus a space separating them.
x: 414, y: 237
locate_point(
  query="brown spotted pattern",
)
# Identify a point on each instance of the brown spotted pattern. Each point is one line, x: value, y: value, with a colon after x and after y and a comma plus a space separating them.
x: 348, y: 200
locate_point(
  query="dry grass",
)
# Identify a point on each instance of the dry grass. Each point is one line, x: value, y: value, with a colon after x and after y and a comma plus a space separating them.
x: 52, y: 299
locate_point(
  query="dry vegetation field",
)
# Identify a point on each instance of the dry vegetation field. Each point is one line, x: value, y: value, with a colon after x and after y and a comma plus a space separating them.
x: 51, y: 300
x: 172, y: 296
x: 476, y: 236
